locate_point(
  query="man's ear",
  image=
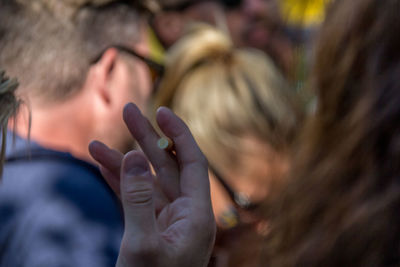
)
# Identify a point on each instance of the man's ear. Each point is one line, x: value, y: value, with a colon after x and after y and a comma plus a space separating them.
x: 103, y: 72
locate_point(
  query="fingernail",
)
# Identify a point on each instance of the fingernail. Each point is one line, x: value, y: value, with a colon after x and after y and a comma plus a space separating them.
x: 160, y: 109
x: 96, y: 143
x: 93, y: 142
x: 130, y: 107
x: 135, y: 164
x: 94, y: 147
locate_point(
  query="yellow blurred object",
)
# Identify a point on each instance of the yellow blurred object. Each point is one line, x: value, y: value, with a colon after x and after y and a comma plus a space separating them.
x: 229, y: 219
x: 305, y: 13
x: 157, y: 51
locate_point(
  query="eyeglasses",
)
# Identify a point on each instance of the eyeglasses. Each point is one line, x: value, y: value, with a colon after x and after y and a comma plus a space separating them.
x: 156, y: 69
x: 240, y: 199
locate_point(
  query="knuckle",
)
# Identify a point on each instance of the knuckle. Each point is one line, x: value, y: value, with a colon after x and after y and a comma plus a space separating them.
x: 139, y: 194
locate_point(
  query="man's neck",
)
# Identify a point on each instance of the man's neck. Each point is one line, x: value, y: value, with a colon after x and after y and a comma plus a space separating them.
x: 64, y: 127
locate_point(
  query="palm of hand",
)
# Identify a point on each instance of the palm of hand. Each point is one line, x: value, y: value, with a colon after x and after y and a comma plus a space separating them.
x: 168, y: 220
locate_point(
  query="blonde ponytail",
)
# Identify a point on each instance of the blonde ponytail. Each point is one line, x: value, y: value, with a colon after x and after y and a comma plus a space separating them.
x: 200, y: 45
x: 224, y: 93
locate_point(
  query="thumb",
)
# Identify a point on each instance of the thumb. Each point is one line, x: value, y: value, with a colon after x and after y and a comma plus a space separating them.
x: 137, y: 196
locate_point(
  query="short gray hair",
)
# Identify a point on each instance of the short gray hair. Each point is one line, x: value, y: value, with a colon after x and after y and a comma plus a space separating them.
x: 51, y: 56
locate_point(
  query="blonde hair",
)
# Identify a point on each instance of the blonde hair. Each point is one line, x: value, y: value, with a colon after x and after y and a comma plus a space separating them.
x: 224, y: 94
x: 8, y: 107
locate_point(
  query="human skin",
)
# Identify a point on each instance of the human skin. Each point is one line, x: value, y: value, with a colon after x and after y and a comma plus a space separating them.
x: 168, y: 216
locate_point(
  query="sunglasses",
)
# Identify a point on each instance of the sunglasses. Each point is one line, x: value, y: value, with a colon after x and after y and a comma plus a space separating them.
x: 241, y: 200
x: 156, y: 69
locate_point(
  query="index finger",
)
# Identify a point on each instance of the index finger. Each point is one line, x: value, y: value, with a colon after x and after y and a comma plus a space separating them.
x: 193, y: 164
x: 164, y: 165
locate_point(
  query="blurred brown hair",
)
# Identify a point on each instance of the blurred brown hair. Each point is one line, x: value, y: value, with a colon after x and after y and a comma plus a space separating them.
x: 342, y: 205
x: 8, y: 107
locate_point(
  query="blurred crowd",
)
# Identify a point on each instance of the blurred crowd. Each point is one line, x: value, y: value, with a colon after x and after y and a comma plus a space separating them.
x: 292, y: 102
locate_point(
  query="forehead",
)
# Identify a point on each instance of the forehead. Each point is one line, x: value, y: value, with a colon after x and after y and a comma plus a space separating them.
x: 259, y: 163
x: 255, y: 153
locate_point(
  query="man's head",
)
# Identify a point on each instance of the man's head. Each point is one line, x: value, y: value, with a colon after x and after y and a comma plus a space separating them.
x: 51, y: 54
x: 50, y: 46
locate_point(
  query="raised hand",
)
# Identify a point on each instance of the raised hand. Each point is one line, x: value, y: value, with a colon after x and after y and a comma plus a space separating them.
x: 168, y: 218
